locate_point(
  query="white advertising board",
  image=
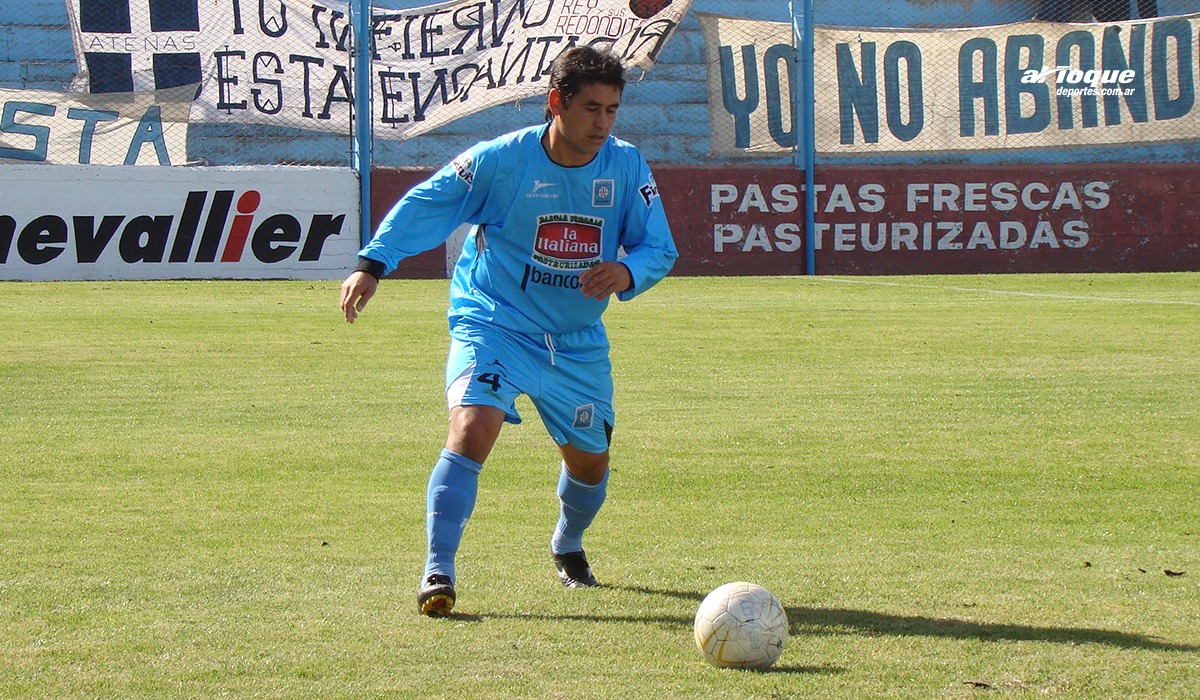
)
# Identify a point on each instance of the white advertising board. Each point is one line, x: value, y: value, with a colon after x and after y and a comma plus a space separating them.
x: 99, y: 223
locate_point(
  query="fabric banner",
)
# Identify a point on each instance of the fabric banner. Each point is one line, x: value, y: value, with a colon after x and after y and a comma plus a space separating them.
x: 287, y: 62
x: 1029, y: 85
x: 747, y: 60
x: 55, y: 128
x: 438, y: 63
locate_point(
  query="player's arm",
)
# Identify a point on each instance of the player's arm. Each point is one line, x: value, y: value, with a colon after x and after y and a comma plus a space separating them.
x: 649, y: 247
x: 422, y: 220
x: 428, y: 213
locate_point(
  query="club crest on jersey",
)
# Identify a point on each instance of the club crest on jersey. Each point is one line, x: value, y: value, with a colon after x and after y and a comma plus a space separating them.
x: 568, y: 241
x: 464, y: 166
x: 603, y: 193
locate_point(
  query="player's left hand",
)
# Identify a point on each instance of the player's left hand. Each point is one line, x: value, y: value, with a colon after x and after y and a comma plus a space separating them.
x: 605, y: 279
x: 357, y: 290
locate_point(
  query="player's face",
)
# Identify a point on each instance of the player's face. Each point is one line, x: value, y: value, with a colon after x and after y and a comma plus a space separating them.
x: 581, y: 125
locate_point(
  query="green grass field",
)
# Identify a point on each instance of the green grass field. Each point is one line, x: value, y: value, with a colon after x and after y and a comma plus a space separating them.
x: 959, y: 487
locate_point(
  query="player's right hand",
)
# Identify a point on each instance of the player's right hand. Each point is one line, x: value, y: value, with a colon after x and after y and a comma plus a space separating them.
x: 357, y: 290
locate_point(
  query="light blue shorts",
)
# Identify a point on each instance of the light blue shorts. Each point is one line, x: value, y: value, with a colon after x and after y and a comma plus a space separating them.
x: 568, y: 377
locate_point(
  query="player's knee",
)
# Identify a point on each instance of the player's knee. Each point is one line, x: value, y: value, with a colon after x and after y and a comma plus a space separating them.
x: 473, y: 431
x: 590, y: 468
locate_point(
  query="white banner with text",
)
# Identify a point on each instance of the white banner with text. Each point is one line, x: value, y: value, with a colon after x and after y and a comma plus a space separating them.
x: 1028, y: 85
x: 288, y: 62
x: 132, y: 128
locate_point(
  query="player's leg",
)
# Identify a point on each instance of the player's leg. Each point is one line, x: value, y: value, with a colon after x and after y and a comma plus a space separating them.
x: 582, y: 490
x: 473, y: 430
x: 575, y: 403
x: 454, y: 483
x: 480, y: 394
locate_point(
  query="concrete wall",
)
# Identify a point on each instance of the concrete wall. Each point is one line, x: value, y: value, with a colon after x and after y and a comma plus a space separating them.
x: 730, y: 220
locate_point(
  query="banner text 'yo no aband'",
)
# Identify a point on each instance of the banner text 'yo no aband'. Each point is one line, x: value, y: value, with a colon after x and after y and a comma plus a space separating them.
x: 1027, y: 85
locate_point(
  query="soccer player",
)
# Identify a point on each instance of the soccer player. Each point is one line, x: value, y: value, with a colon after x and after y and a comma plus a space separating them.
x: 564, y: 217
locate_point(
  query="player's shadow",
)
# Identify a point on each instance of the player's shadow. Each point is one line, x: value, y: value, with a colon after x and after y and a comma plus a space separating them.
x: 835, y: 621
x: 832, y: 621
x: 671, y: 621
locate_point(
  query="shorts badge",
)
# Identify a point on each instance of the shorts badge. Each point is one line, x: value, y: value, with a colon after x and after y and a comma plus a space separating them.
x: 584, y: 416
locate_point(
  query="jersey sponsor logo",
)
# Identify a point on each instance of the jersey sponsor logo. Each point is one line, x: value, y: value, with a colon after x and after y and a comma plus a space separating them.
x: 540, y: 277
x: 649, y: 191
x: 539, y: 185
x: 464, y: 166
x: 568, y: 241
x: 603, y: 193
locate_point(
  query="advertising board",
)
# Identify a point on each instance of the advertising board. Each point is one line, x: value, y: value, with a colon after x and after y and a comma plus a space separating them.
x: 95, y: 222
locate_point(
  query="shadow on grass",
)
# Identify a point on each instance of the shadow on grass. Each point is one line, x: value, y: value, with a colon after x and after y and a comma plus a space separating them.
x: 813, y: 621
x: 834, y: 620
x: 663, y: 620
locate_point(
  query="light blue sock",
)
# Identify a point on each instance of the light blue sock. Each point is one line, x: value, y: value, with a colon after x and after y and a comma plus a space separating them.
x: 449, y: 501
x: 580, y: 503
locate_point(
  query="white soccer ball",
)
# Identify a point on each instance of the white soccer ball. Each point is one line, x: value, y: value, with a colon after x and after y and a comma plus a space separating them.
x: 741, y: 625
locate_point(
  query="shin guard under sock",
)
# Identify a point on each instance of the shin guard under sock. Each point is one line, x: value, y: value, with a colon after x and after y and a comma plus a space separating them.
x: 579, y: 504
x: 449, y: 500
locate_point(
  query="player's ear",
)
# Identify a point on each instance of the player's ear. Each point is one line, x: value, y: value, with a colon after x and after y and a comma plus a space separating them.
x: 554, y: 102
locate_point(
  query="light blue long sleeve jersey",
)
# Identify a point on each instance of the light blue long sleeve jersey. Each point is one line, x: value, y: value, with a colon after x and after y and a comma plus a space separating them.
x: 537, y: 226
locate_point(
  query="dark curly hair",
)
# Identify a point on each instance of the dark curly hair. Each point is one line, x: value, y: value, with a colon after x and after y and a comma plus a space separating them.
x: 583, y: 65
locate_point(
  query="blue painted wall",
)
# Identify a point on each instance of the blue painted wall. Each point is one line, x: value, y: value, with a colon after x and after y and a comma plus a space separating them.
x: 665, y: 113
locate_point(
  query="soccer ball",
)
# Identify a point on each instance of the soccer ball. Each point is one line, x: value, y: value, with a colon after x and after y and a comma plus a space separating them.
x: 741, y: 625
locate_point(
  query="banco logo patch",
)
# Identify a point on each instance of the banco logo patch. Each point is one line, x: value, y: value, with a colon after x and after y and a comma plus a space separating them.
x: 568, y: 241
x: 649, y: 191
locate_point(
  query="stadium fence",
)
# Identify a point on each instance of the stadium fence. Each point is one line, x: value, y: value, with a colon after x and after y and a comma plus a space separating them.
x: 733, y: 83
